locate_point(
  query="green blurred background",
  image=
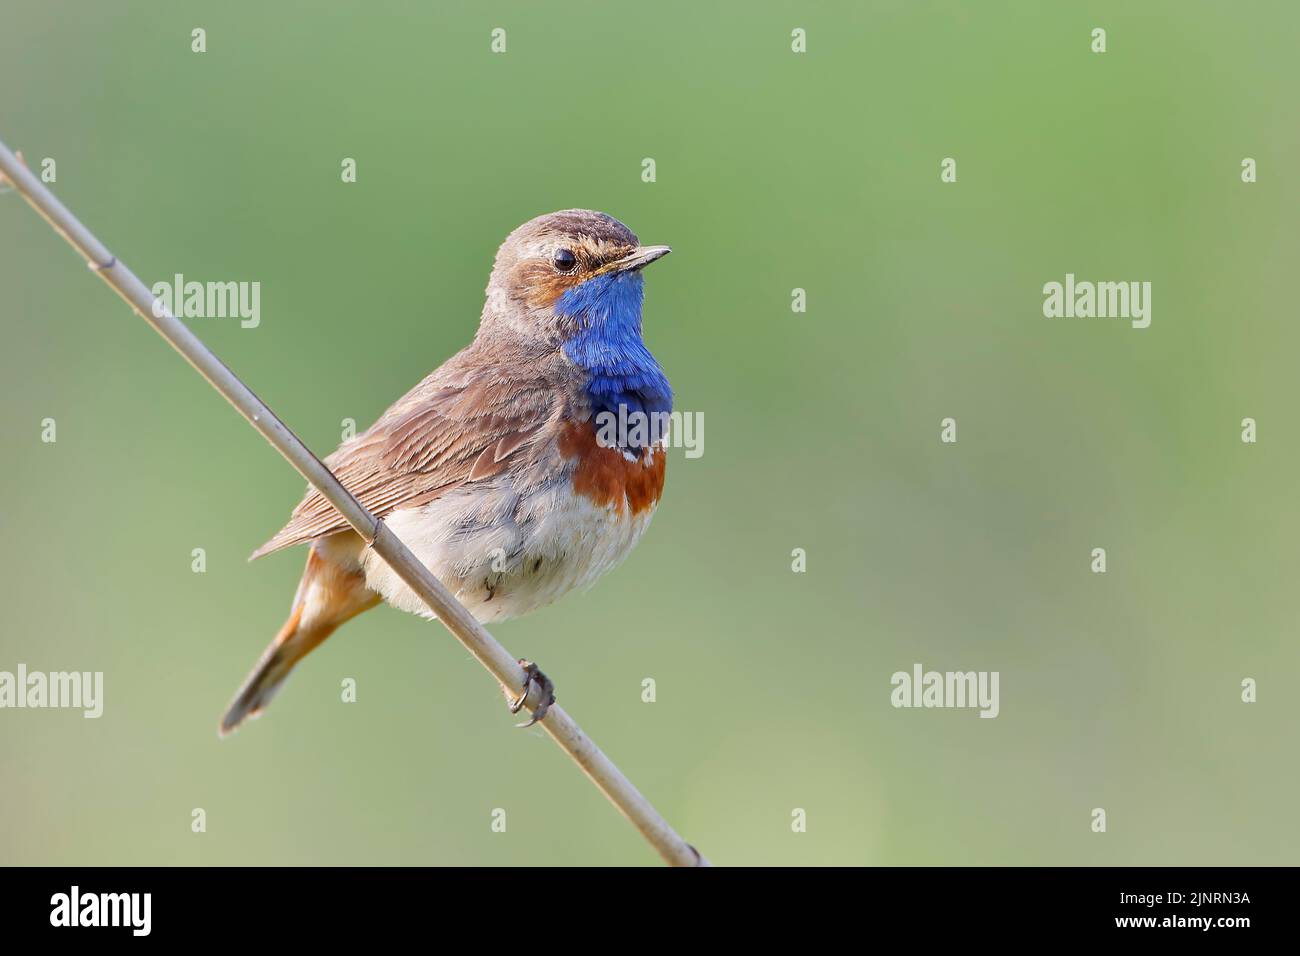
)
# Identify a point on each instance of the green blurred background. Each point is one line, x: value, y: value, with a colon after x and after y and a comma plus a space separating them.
x: 775, y: 171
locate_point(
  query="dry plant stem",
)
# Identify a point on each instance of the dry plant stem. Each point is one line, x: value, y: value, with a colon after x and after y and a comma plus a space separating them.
x: 562, y: 728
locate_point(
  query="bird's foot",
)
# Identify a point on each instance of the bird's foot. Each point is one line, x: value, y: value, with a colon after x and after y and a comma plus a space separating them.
x: 545, y: 690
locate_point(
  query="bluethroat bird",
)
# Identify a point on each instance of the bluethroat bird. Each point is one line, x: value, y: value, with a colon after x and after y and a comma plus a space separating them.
x: 491, y: 470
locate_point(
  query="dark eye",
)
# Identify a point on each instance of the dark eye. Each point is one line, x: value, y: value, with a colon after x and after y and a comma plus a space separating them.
x: 565, y: 260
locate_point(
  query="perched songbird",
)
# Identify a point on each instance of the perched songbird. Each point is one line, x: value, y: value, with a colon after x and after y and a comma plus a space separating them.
x: 491, y: 470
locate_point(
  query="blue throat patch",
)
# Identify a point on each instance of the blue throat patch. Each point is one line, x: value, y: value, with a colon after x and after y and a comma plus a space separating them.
x: 608, y: 345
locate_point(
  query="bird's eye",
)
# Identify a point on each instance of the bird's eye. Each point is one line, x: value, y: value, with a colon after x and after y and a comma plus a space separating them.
x: 564, y: 260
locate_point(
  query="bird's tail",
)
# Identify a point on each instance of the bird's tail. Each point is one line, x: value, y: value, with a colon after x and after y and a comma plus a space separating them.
x: 329, y: 595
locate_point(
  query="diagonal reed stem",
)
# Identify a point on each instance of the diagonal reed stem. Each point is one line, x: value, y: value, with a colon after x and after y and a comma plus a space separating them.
x: 562, y: 728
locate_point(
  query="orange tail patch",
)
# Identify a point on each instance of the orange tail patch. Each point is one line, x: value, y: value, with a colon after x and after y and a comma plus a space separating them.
x: 329, y: 595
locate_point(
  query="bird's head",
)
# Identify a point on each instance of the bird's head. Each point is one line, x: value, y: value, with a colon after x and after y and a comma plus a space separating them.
x: 567, y: 274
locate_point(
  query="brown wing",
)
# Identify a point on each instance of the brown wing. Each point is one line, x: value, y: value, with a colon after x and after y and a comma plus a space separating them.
x: 448, y: 430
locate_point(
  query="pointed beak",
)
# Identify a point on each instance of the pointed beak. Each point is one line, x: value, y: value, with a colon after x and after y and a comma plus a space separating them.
x: 641, y: 257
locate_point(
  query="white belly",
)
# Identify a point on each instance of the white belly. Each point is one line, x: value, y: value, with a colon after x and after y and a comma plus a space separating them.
x: 504, y: 555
